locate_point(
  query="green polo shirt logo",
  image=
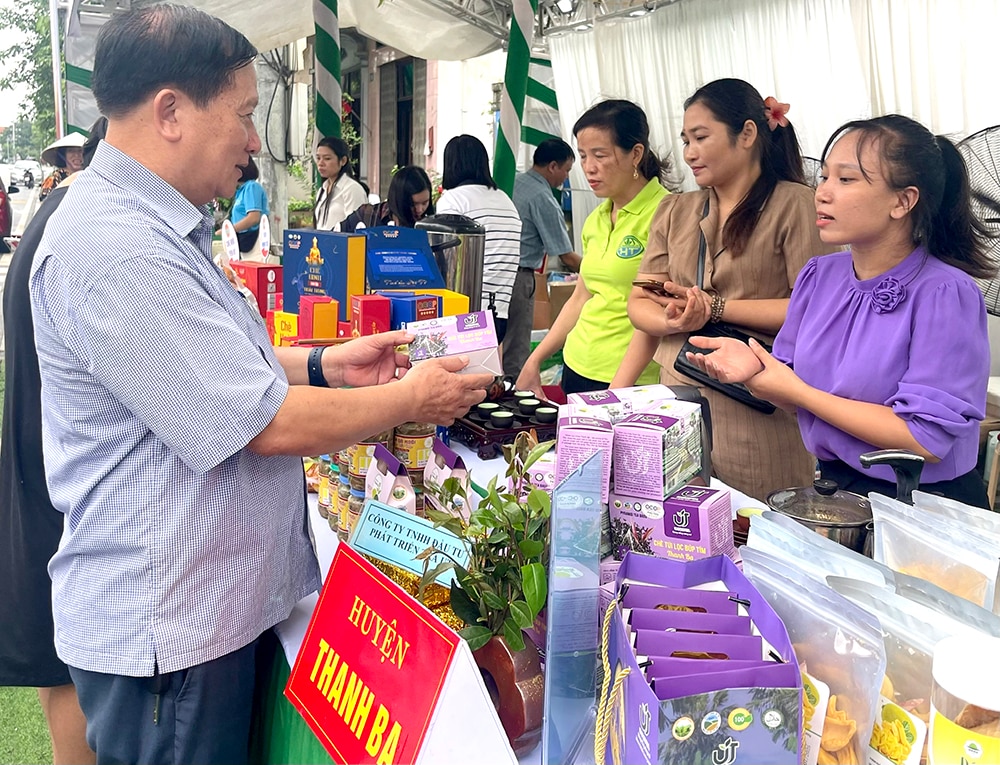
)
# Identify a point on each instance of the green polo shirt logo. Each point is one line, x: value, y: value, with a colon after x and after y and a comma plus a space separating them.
x: 629, y: 248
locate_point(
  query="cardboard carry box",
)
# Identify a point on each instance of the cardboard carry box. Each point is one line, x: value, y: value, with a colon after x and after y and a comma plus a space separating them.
x: 559, y: 293
x: 711, y: 716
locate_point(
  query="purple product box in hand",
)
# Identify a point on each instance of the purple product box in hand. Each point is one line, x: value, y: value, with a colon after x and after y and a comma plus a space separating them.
x: 747, y: 714
x: 467, y: 334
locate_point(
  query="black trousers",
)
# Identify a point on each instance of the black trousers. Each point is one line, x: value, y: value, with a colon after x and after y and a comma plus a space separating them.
x: 968, y: 488
x: 577, y: 383
x: 195, y: 716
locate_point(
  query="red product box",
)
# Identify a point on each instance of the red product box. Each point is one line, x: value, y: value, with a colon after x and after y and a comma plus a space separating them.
x: 369, y: 314
x: 269, y: 322
x: 262, y: 279
x: 343, y: 329
x: 318, y: 316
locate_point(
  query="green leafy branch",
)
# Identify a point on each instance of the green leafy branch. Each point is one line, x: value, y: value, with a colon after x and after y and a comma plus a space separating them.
x: 505, y: 585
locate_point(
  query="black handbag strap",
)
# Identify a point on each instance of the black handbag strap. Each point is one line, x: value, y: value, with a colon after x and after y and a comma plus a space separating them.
x: 702, y: 245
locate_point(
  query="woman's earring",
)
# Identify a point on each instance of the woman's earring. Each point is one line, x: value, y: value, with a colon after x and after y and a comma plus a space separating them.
x: 635, y: 172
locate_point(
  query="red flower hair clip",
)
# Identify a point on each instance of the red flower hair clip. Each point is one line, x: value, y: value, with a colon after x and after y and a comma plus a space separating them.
x: 774, y: 112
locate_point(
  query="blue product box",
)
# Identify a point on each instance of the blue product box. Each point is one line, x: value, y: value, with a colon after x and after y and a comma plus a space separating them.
x: 323, y: 263
x: 400, y: 259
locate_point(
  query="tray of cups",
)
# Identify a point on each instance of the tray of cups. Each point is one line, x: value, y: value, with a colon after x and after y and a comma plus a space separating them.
x: 492, y: 423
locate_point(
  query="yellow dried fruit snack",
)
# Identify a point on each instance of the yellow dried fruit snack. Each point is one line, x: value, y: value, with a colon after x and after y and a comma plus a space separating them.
x: 838, y: 736
x: 826, y: 758
x: 887, y: 688
x: 889, y: 738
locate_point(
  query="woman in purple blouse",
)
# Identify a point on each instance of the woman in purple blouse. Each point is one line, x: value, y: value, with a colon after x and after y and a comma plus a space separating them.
x: 884, y: 345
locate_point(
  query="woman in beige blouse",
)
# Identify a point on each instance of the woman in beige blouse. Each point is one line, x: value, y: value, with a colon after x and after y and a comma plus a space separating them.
x: 759, y: 223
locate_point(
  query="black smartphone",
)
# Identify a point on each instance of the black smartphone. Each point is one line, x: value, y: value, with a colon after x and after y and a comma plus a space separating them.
x: 652, y: 285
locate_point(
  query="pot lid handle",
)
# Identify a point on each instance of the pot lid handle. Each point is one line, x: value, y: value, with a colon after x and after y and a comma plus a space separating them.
x: 825, y: 487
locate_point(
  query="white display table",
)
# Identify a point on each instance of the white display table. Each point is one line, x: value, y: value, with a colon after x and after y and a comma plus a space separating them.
x: 291, y: 632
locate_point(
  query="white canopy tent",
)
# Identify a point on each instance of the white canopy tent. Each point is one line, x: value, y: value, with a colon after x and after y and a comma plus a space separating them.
x: 431, y: 30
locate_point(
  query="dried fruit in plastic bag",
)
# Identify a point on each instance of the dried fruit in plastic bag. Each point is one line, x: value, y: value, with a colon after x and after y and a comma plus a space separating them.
x: 839, y: 729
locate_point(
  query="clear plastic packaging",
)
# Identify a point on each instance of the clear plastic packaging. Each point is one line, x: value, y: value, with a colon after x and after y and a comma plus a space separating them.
x: 918, y: 543
x: 965, y: 701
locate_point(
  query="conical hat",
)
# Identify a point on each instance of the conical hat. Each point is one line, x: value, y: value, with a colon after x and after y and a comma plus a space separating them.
x: 70, y: 140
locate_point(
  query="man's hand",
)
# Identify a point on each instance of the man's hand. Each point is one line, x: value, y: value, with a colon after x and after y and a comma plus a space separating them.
x: 370, y: 360
x: 439, y: 395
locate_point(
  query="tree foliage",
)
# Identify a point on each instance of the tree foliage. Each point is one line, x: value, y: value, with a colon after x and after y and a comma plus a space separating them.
x: 27, y: 62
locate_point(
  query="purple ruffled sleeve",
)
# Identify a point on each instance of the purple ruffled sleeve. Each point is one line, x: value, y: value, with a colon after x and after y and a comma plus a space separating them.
x: 805, y: 288
x: 942, y: 394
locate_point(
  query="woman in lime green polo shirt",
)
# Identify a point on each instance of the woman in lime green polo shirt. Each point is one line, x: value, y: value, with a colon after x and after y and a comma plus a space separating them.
x: 593, y: 328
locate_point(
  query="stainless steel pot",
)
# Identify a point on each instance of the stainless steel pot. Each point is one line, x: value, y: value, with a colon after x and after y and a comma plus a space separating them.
x: 839, y: 515
x: 459, y: 245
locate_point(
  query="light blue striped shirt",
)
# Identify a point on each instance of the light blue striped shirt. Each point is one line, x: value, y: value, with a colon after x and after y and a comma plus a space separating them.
x: 181, y: 545
x: 543, y: 226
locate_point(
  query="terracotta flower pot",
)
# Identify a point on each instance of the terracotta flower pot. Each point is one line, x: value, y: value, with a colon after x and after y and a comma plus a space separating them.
x: 516, y: 685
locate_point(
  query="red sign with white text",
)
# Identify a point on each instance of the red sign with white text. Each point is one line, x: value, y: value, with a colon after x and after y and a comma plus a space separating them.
x: 371, y: 667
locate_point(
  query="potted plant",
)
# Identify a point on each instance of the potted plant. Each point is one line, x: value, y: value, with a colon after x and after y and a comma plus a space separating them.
x: 300, y: 213
x: 504, y: 586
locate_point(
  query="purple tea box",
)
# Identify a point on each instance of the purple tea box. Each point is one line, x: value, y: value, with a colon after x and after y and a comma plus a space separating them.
x: 621, y: 402
x: 694, y: 522
x: 657, y: 452
x: 608, y: 569
x: 666, y: 667
x: 467, y: 334
x: 577, y: 439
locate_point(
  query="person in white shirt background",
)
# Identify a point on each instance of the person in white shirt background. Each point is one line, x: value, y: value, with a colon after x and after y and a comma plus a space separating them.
x: 339, y: 195
x: 469, y: 190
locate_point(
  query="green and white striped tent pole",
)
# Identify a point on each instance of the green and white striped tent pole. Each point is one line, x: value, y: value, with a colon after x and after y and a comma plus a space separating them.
x: 515, y: 85
x: 329, y: 94
x: 541, y: 108
x: 539, y: 118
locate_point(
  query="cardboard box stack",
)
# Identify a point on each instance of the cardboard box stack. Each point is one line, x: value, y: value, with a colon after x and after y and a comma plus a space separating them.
x: 338, y: 286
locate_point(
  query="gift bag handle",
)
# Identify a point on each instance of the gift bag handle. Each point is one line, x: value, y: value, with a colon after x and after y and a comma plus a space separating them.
x: 611, y: 691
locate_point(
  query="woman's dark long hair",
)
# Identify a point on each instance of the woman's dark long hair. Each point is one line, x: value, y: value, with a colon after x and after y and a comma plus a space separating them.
x: 407, y: 182
x: 733, y: 102
x: 943, y: 220
x: 339, y: 147
x: 466, y: 163
x: 626, y: 122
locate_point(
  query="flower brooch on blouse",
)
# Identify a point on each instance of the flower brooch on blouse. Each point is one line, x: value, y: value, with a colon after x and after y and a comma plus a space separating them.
x: 888, y: 294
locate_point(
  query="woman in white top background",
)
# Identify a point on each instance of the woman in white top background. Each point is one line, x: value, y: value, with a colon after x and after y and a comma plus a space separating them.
x: 469, y: 190
x: 340, y: 194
